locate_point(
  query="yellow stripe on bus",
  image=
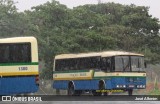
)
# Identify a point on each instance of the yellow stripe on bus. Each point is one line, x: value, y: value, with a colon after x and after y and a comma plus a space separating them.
x: 92, y: 74
x: 18, y: 73
x: 100, y: 74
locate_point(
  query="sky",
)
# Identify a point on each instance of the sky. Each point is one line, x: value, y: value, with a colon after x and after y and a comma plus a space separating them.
x: 153, y: 4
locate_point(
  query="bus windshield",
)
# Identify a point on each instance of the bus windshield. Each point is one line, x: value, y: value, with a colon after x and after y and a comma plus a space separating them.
x: 129, y: 63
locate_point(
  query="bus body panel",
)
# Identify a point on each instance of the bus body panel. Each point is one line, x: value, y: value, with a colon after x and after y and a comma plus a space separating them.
x: 19, y: 69
x: 127, y: 81
x: 61, y: 84
x: 78, y: 84
x: 109, y: 83
x: 18, y: 85
x: 86, y: 84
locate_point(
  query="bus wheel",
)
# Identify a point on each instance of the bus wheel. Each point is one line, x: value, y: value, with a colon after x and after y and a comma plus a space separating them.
x: 130, y: 92
x: 71, y: 90
x: 102, y: 89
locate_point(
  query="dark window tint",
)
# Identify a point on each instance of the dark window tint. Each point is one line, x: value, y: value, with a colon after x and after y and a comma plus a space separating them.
x: 107, y: 64
x: 15, y: 52
x: 78, y: 64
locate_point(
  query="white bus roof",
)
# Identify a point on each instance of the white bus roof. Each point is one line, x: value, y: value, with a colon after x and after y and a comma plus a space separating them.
x: 18, y: 39
x: 119, y: 53
x: 94, y: 54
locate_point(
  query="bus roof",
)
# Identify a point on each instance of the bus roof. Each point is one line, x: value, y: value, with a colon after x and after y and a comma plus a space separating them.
x: 119, y: 53
x: 18, y: 39
x: 94, y: 54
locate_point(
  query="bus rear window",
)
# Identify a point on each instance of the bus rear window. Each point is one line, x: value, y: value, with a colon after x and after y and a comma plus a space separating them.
x: 15, y: 52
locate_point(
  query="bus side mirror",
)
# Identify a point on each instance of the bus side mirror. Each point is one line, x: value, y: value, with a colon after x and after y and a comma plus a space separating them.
x: 145, y: 64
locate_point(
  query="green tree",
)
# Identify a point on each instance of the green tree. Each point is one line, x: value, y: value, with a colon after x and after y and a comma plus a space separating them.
x: 12, y: 23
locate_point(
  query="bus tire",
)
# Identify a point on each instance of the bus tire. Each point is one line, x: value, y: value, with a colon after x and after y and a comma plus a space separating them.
x: 72, y: 92
x: 102, y: 88
x: 130, y: 92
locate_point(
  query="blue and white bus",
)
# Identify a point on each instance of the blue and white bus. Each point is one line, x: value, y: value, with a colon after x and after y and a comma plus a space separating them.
x: 18, y: 65
x: 109, y: 70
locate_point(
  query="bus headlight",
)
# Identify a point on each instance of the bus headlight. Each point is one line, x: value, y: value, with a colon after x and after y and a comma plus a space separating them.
x: 121, y: 86
x: 141, y: 86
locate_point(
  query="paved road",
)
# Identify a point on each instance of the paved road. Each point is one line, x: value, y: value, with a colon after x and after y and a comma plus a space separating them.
x: 104, y: 102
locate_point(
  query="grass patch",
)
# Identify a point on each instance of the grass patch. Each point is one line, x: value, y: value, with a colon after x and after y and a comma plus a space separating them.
x: 154, y: 92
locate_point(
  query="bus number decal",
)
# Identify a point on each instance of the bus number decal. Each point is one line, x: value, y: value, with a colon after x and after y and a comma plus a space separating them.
x: 23, y: 68
x: 83, y: 74
x: 76, y: 75
x: 73, y: 74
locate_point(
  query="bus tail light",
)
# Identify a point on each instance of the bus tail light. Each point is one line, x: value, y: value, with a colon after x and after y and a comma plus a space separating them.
x: 37, y: 80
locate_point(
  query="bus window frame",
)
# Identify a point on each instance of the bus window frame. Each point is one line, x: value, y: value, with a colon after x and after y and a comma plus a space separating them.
x: 129, y: 64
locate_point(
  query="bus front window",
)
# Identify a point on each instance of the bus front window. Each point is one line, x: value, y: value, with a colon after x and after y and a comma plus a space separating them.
x: 122, y: 63
x: 137, y: 63
x: 129, y: 63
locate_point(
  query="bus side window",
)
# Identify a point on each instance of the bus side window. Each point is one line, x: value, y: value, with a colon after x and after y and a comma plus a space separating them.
x: 103, y: 64
x: 106, y: 64
x: 71, y: 66
x: 63, y: 65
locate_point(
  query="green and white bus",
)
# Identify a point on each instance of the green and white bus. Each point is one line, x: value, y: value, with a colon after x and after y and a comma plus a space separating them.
x: 96, y: 71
